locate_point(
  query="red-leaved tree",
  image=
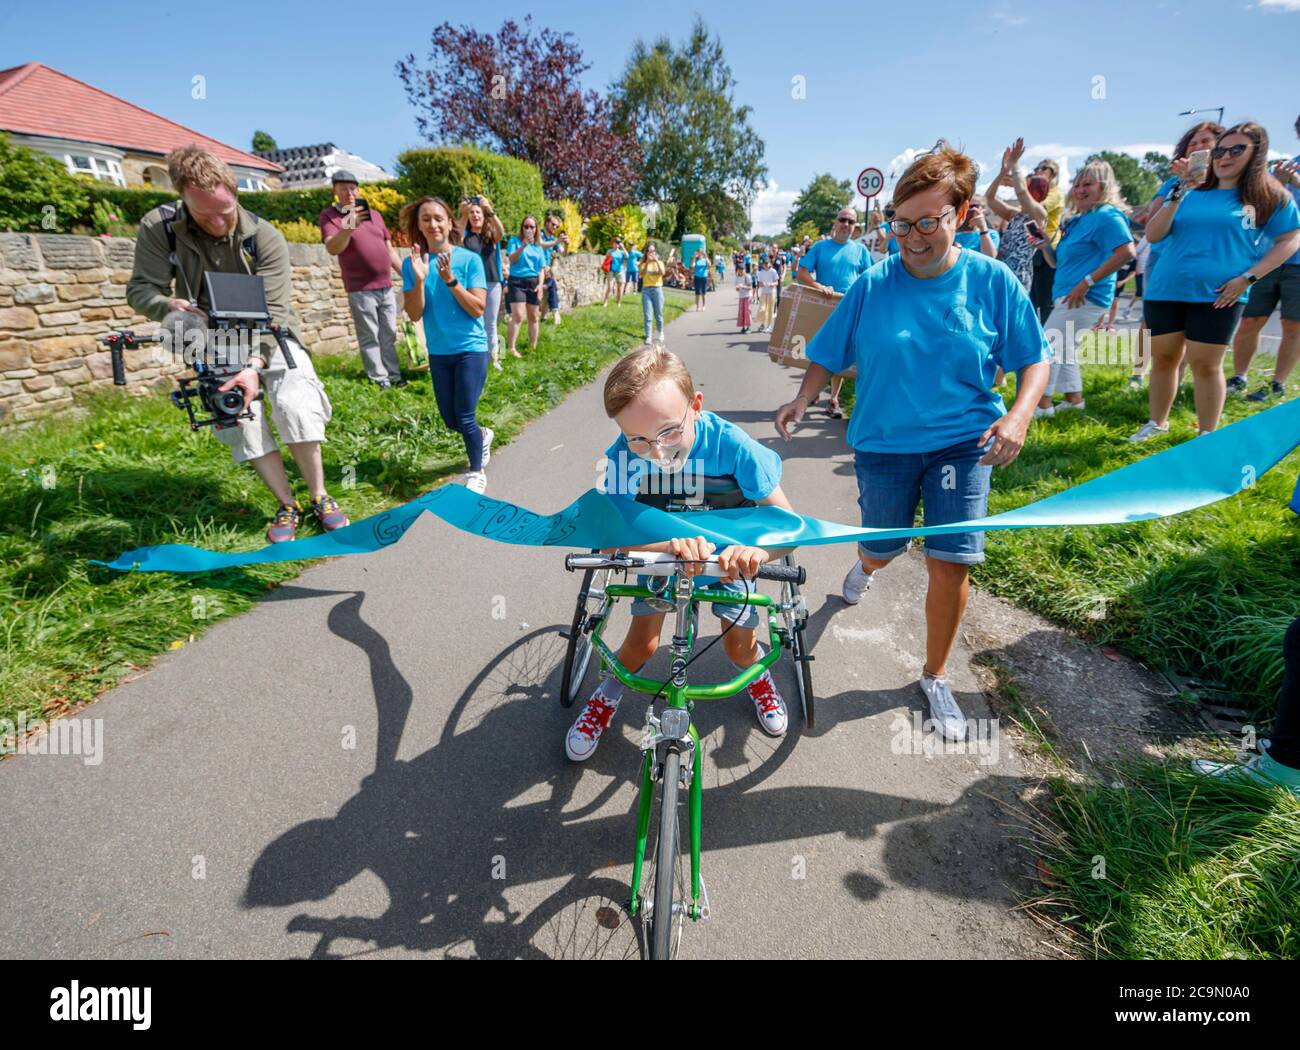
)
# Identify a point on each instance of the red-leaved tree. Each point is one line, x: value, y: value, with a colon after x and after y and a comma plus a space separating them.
x: 518, y: 93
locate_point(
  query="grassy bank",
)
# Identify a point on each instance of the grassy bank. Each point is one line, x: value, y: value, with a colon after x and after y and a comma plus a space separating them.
x: 128, y: 474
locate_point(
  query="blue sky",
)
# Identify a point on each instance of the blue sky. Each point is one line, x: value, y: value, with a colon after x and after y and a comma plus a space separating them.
x: 877, y: 83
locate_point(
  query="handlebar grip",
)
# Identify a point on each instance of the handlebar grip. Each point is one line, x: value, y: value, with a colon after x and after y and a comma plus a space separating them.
x: 119, y: 365
x: 783, y: 573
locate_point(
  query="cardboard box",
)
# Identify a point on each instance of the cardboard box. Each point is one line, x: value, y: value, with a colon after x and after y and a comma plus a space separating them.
x: 802, y: 312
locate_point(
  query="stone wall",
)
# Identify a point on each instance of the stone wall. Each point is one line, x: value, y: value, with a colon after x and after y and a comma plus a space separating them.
x: 59, y: 294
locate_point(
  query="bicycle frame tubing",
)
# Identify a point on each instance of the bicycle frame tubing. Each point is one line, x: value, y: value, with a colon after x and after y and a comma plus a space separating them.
x: 681, y: 695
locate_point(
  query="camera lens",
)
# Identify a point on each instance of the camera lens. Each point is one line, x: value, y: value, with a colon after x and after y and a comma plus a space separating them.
x: 231, y: 402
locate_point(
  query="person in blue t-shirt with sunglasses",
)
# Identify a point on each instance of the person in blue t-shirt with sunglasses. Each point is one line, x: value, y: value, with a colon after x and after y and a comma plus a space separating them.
x: 1226, y: 232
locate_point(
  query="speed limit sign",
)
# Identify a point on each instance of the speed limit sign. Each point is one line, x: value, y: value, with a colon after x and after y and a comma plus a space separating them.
x: 870, y: 182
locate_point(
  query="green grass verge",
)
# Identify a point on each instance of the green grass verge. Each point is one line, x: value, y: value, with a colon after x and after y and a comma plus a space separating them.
x: 1166, y: 864
x: 128, y: 474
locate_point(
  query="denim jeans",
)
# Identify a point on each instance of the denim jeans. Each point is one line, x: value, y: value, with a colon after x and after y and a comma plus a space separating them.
x: 950, y: 482
x: 457, y: 385
x: 652, y: 299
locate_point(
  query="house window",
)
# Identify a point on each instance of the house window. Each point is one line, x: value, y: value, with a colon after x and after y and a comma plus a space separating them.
x: 106, y: 169
x: 250, y: 182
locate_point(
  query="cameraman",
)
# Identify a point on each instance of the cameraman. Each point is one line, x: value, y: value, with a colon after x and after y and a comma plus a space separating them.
x: 205, y: 231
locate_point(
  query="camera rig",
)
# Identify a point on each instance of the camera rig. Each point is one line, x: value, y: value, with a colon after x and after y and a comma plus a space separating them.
x: 237, y: 316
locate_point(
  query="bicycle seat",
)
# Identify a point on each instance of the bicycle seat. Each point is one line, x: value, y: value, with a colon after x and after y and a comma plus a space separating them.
x: 702, y: 493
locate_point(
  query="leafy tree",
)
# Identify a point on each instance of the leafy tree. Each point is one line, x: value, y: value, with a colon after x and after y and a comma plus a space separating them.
x: 1136, y: 184
x: 263, y: 143
x: 819, y: 203
x: 627, y: 222
x: 804, y: 229
x: 518, y: 93
x: 36, y: 191
x: 665, y: 221
x: 1158, y: 164
x: 698, y: 146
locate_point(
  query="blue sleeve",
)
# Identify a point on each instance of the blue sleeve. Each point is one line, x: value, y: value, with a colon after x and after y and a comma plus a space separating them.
x: 832, y: 347
x: 1114, y: 230
x: 1283, y: 220
x: 511, y: 245
x: 809, y: 260
x: 470, y: 272
x: 757, y: 468
x: 408, y: 275
x: 1021, y: 339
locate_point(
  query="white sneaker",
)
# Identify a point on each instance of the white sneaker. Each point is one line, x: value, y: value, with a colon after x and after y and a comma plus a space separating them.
x: 943, y: 708
x: 488, y: 435
x: 769, y: 707
x: 475, y: 481
x: 856, y: 584
x: 1044, y: 413
x: 1148, y: 430
x: 557, y: 320
x: 585, y: 733
x: 1064, y: 405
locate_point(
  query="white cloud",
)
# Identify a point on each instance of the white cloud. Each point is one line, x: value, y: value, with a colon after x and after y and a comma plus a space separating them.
x: 772, y: 207
x: 1280, y: 5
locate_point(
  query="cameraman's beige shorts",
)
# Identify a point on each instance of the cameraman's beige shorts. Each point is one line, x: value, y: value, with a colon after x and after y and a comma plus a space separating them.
x: 299, y: 408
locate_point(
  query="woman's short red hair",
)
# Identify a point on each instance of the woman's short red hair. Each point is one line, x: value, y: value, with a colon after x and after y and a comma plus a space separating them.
x: 946, y: 167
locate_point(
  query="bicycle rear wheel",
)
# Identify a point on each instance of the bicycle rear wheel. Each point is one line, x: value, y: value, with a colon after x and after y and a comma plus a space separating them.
x: 586, y: 613
x: 796, y: 618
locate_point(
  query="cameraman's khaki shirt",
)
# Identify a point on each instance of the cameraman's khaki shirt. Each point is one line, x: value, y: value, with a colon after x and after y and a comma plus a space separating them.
x: 155, y: 282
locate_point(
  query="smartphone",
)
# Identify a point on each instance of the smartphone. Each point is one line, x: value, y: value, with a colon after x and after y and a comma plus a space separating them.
x: 1035, y: 230
x: 1198, y: 166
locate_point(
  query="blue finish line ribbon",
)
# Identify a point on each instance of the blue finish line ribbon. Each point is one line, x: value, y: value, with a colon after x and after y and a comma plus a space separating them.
x: 1190, y: 475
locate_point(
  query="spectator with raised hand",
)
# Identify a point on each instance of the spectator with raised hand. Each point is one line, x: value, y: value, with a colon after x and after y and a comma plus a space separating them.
x: 1095, y: 243
x: 1040, y: 291
x: 553, y: 241
x: 444, y: 285
x: 527, y: 260
x: 357, y: 234
x: 975, y: 234
x: 615, y: 274
x: 700, y: 276
x: 481, y: 232
x: 1281, y: 287
x: 831, y: 266
x: 928, y: 329
x: 1226, y: 231
x: 1015, y: 247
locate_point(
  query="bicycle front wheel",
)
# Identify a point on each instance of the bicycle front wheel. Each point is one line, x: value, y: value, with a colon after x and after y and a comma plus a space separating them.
x: 667, y: 922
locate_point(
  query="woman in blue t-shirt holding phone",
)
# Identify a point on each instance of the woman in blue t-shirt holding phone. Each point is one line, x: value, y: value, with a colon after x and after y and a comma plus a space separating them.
x: 1226, y: 226
x: 444, y: 286
x: 528, y: 260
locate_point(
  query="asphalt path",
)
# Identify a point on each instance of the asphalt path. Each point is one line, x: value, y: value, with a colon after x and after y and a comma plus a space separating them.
x: 371, y: 762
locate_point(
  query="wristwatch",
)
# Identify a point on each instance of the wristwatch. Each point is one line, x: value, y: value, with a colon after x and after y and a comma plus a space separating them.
x: 1251, y: 278
x: 1087, y: 279
x: 452, y: 283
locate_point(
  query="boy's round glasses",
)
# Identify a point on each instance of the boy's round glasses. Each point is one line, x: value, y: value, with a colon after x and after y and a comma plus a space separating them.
x: 669, y: 438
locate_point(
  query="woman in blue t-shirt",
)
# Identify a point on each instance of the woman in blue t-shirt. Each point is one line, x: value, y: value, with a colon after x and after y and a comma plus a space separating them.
x: 444, y: 286
x: 528, y: 261
x: 1095, y: 243
x: 700, y: 276
x: 928, y: 329
x: 1223, y: 235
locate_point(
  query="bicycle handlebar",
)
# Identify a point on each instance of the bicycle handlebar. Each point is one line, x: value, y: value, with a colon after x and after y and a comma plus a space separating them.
x: 652, y: 563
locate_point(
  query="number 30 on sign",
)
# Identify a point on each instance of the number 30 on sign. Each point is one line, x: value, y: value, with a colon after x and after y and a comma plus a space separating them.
x: 870, y: 182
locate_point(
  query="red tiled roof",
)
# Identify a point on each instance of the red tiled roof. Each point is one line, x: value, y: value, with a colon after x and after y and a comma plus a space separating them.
x: 38, y: 100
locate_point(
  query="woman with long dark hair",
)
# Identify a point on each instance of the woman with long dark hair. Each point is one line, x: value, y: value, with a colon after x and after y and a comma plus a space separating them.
x: 1223, y: 234
x: 524, y: 287
x: 443, y: 284
x: 481, y: 231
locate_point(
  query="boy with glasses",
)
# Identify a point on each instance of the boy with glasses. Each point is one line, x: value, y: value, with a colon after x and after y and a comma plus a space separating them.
x: 668, y: 446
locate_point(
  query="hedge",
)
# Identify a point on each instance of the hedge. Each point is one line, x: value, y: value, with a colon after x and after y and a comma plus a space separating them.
x: 272, y: 205
x: 514, y: 186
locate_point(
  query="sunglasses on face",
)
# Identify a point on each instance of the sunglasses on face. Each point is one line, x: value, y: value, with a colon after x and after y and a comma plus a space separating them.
x: 846, y: 222
x: 1229, y: 151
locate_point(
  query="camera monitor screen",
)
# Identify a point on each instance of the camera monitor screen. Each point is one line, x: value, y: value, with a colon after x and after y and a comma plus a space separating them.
x: 236, y: 297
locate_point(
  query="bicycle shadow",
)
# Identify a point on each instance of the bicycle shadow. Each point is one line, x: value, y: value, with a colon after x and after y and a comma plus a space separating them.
x: 463, y: 835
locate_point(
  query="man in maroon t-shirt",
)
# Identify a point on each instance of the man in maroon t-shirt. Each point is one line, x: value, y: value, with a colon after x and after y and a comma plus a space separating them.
x: 360, y: 239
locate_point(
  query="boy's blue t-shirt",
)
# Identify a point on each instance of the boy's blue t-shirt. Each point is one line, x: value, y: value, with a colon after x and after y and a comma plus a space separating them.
x: 448, y: 329
x: 927, y: 351
x: 532, y: 260
x: 1211, y: 241
x: 1086, y: 242
x: 837, y: 265
x: 721, y: 449
x: 633, y: 258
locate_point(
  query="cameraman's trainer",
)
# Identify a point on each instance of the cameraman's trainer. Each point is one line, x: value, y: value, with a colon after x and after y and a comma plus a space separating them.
x: 207, y: 231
